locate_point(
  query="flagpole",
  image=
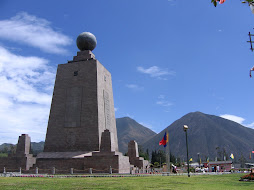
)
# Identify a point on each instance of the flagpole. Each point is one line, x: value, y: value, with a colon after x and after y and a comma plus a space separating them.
x: 165, y: 143
x: 168, y: 154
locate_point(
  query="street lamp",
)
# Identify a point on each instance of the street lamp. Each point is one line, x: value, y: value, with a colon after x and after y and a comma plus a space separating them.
x: 198, y: 159
x: 185, y: 128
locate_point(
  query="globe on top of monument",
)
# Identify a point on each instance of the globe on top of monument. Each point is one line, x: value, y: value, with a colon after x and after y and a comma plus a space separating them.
x: 86, y: 41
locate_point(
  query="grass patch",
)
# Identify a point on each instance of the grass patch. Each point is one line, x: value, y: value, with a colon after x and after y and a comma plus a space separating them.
x: 213, y: 182
x: 3, y: 154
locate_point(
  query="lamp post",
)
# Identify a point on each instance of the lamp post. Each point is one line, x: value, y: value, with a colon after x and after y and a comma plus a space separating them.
x: 185, y: 128
x: 198, y: 159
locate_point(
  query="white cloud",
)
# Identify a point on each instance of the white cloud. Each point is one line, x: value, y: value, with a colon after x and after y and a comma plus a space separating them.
x: 26, y: 85
x: 161, y: 101
x: 237, y: 119
x: 250, y: 125
x: 34, y: 31
x: 155, y: 71
x: 161, y: 96
x: 233, y: 118
x: 164, y: 103
x: 130, y: 115
x: 146, y: 125
x: 134, y: 87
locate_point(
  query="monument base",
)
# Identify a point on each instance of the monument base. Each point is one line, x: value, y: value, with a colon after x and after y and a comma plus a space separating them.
x: 103, y: 161
x: 16, y: 162
x: 107, y: 162
x: 61, y: 161
x: 83, y: 162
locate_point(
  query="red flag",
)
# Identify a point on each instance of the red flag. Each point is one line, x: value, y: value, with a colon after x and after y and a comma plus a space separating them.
x: 253, y: 151
x: 164, y: 140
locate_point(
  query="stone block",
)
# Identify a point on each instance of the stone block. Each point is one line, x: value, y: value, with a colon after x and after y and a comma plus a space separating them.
x: 134, y: 156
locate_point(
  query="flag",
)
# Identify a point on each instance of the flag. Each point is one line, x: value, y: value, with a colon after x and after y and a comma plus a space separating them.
x: 250, y: 155
x: 164, y: 140
x: 232, y: 156
x: 207, y: 160
x: 190, y: 159
x: 252, y: 69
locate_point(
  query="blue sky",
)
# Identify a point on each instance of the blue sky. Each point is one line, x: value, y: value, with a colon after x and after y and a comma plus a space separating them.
x: 167, y: 58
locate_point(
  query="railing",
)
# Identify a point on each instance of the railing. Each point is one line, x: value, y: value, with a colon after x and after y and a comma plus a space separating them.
x: 55, y: 171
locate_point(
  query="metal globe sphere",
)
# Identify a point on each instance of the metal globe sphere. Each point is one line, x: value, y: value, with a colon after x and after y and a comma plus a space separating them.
x: 86, y: 41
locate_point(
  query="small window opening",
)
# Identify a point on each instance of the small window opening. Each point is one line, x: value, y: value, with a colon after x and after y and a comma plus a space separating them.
x: 75, y: 73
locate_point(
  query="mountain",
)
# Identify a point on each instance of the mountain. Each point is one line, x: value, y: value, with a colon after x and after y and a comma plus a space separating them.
x: 37, y: 147
x: 208, y: 135
x: 5, y: 147
x: 128, y: 129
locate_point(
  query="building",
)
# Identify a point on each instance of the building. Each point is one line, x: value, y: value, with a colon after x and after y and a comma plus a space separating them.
x: 218, y: 166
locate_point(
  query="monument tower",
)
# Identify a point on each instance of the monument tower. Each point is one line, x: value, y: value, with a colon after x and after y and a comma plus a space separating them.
x: 82, y: 129
x: 82, y: 104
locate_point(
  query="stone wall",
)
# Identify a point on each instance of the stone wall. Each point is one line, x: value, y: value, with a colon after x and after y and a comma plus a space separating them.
x: 60, y: 164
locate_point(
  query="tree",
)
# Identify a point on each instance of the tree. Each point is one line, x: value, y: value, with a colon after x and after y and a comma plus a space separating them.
x: 13, y: 149
x: 156, y: 164
x: 178, y: 162
x: 225, y: 154
x: 172, y: 158
x: 242, y: 161
x: 143, y: 154
x: 5, y: 150
x: 218, y: 153
x: 159, y: 157
x: 215, y: 2
x: 222, y: 1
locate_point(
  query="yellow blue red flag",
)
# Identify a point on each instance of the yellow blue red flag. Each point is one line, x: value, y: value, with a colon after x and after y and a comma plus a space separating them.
x: 164, y: 140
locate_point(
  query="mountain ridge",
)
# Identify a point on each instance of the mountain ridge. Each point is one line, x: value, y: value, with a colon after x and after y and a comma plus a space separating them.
x: 209, y: 135
x: 205, y: 134
x: 127, y: 129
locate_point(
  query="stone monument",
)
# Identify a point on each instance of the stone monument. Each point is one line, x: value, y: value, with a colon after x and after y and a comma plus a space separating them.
x: 22, y: 158
x: 134, y: 156
x: 82, y: 128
